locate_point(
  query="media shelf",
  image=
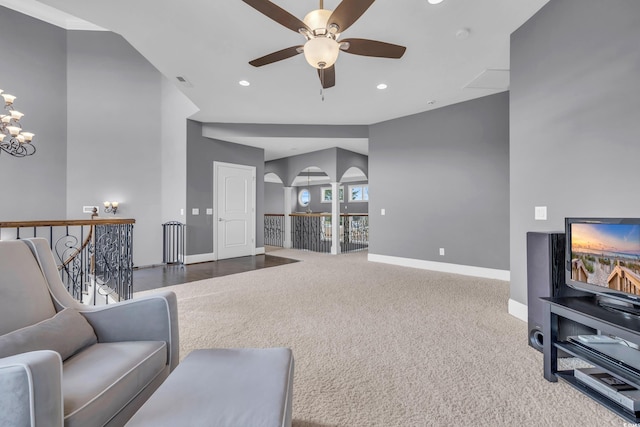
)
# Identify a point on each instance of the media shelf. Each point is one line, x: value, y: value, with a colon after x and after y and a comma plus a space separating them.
x: 622, y: 412
x: 586, y: 311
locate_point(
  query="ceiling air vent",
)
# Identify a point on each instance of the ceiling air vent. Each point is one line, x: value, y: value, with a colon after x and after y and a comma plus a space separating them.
x: 183, y: 81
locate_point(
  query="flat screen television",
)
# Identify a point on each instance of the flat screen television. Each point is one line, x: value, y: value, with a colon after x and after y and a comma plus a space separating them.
x: 603, y: 257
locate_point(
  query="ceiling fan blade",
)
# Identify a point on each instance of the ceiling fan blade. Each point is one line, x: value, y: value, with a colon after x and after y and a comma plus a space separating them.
x: 348, y: 12
x: 276, y: 56
x: 327, y: 77
x: 373, y: 48
x: 278, y: 14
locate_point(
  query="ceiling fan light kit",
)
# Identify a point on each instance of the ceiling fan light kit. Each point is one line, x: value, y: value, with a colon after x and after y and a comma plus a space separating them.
x: 322, y: 28
x: 321, y: 52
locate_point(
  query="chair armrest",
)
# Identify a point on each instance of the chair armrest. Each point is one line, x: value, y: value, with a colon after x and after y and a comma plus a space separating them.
x: 151, y: 318
x: 31, y: 390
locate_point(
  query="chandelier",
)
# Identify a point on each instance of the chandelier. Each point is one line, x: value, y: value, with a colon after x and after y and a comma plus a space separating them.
x: 13, y: 139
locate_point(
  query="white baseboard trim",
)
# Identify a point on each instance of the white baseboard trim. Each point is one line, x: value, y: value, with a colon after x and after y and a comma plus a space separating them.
x: 518, y: 310
x: 260, y: 251
x: 466, y: 270
x: 194, y: 259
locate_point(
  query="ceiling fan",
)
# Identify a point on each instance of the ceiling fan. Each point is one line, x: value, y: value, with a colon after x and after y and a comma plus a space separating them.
x: 322, y: 29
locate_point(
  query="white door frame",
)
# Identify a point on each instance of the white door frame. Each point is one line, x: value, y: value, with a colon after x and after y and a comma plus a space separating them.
x: 252, y: 229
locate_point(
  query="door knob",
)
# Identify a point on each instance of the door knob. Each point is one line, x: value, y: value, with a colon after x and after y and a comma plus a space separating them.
x: 220, y: 219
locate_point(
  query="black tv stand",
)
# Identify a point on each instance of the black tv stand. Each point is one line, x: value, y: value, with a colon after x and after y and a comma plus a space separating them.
x: 612, y: 306
x: 610, y: 321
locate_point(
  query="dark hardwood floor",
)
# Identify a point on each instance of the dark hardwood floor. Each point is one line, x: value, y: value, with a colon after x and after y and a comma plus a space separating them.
x: 145, y: 279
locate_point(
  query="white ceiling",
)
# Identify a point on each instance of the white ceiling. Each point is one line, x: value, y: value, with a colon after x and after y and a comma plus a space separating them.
x: 211, y: 42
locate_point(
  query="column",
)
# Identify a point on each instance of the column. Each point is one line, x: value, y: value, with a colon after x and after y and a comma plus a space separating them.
x: 289, y: 203
x: 335, y: 218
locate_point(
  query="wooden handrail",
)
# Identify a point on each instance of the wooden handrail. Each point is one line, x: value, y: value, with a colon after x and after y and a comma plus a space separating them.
x: 78, y: 250
x: 65, y: 222
x: 327, y: 214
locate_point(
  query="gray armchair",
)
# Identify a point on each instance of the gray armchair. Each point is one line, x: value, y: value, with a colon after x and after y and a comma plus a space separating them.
x: 64, y: 363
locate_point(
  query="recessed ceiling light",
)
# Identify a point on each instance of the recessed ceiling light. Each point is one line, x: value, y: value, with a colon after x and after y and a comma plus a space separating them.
x: 382, y: 86
x: 244, y: 83
x: 434, y: 1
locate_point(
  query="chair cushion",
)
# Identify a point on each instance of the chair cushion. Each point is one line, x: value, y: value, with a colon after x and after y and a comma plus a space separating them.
x: 67, y: 333
x: 24, y: 295
x: 100, y: 380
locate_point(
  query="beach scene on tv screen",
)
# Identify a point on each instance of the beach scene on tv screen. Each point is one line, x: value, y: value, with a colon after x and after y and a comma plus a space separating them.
x: 606, y: 255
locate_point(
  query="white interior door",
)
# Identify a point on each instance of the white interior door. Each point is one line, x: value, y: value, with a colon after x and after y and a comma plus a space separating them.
x: 234, y: 208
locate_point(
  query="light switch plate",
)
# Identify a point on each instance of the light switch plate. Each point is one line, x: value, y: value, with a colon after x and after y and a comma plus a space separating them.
x: 541, y: 213
x: 195, y: 211
x: 209, y: 211
x: 383, y: 212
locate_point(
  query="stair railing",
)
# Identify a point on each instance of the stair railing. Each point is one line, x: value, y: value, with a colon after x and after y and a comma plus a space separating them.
x: 94, y: 257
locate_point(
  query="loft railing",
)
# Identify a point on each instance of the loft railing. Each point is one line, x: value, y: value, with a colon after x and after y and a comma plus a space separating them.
x: 309, y: 232
x: 355, y: 232
x: 94, y: 257
x: 274, y: 229
x: 313, y: 232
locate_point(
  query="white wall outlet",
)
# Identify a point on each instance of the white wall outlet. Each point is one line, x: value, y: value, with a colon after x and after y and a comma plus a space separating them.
x: 383, y: 212
x: 442, y: 251
x: 541, y: 213
x: 209, y: 211
x: 182, y: 211
x: 195, y: 211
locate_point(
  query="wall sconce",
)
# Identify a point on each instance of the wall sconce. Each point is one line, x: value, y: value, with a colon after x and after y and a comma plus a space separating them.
x: 111, y: 207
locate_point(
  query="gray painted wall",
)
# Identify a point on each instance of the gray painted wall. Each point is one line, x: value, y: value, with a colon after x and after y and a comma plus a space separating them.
x: 34, y: 188
x: 174, y: 152
x: 238, y: 132
x: 443, y: 178
x: 114, y: 135
x: 346, y: 159
x: 273, y: 198
x: 108, y: 127
x: 575, y: 109
x: 290, y: 167
x: 315, y: 193
x: 201, y: 153
x: 333, y: 161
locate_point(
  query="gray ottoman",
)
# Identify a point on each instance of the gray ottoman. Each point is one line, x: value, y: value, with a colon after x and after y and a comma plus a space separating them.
x: 224, y: 388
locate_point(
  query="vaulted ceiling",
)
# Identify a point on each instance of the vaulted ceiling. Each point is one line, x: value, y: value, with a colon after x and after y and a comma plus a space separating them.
x: 456, y: 51
x: 450, y: 47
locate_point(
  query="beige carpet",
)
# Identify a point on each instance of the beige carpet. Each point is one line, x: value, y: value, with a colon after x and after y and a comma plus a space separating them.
x: 379, y: 345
